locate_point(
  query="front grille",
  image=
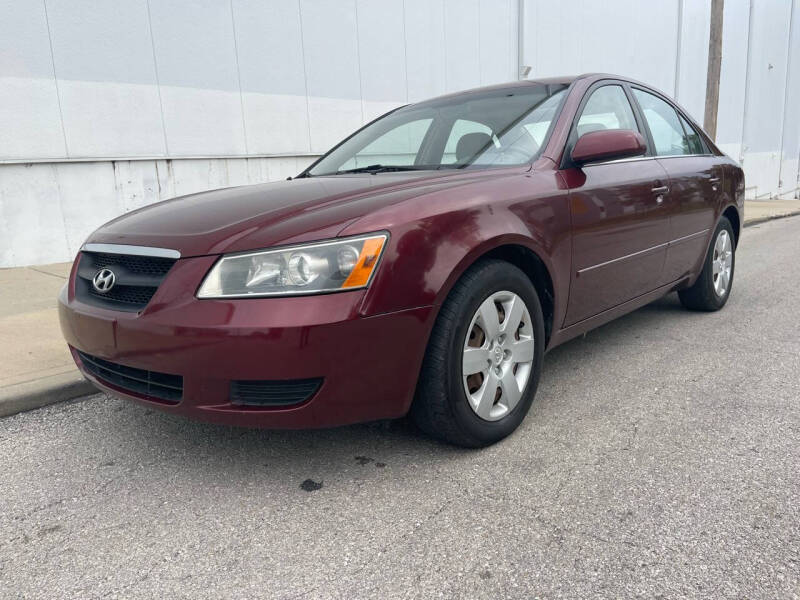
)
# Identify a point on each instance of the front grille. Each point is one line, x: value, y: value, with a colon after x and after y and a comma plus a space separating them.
x: 146, y: 383
x: 136, y: 279
x: 273, y: 393
x: 129, y: 294
x: 156, y: 266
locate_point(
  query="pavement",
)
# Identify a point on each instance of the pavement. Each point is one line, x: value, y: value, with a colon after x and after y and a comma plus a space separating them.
x: 40, y: 370
x: 661, y: 459
x: 36, y: 368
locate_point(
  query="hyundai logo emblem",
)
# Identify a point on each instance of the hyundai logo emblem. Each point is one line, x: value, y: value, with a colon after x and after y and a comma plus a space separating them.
x: 104, y: 280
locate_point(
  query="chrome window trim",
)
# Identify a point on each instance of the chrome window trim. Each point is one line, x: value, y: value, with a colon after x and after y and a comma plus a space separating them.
x: 639, y: 158
x: 131, y: 250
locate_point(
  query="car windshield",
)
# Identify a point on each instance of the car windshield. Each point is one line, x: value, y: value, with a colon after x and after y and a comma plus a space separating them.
x: 500, y: 127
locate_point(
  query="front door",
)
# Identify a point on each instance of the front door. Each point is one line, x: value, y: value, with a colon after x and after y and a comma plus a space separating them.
x: 620, y: 218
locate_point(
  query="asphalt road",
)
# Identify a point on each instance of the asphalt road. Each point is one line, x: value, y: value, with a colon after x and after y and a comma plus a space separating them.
x: 661, y: 459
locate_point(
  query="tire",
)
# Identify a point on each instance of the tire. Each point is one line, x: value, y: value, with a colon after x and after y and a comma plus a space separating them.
x: 447, y: 404
x: 710, y: 292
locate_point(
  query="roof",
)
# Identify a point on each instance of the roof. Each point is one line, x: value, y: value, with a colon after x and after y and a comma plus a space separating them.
x: 562, y: 80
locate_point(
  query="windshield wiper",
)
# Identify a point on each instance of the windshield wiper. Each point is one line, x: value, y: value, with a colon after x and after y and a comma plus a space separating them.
x: 381, y: 169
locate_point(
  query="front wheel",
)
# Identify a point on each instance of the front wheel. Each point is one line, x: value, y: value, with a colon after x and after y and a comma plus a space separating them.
x: 484, y: 358
x: 713, y: 287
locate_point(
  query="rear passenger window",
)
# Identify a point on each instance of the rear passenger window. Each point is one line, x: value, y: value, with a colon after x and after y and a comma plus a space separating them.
x: 695, y: 143
x: 665, y: 126
x: 607, y: 108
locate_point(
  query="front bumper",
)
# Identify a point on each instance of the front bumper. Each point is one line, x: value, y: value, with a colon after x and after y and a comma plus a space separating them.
x: 369, y: 365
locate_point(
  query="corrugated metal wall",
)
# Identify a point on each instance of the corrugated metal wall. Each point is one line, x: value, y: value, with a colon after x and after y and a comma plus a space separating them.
x: 167, y: 97
x: 107, y: 106
x: 665, y: 43
x: 759, y: 110
x: 187, y: 78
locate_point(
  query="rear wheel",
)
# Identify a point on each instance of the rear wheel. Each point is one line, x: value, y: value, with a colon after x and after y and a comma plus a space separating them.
x: 713, y: 287
x: 484, y: 358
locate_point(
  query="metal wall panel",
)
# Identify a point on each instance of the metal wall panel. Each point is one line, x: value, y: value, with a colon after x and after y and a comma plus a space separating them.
x: 106, y: 78
x: 198, y: 75
x: 789, y: 177
x: 462, y: 55
x: 497, y: 21
x: 733, y: 77
x: 30, y: 118
x: 624, y: 37
x: 332, y: 70
x: 48, y: 209
x: 221, y: 81
x: 766, y: 94
x: 269, y: 44
x: 425, y: 48
x: 382, y: 57
x: 692, y: 67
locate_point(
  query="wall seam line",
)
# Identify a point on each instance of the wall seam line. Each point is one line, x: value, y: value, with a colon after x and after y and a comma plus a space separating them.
x: 358, y: 61
x: 55, y: 77
x: 785, y: 95
x: 305, y: 75
x: 747, y: 69
x: 239, y: 77
x: 480, y: 62
x: 444, y: 49
x: 520, y: 37
x: 158, y: 80
x: 678, y: 44
x: 405, y: 49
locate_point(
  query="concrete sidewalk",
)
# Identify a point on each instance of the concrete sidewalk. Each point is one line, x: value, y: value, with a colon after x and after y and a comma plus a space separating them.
x: 37, y: 368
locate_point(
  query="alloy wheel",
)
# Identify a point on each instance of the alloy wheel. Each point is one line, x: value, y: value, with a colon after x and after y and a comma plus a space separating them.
x: 722, y: 263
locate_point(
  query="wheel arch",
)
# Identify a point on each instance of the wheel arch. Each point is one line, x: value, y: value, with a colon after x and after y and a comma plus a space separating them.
x: 732, y: 214
x: 529, y: 260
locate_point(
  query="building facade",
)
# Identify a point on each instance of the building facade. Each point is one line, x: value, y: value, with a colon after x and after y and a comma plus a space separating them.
x: 109, y: 106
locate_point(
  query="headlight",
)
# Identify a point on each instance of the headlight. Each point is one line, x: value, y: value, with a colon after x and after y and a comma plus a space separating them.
x: 332, y: 266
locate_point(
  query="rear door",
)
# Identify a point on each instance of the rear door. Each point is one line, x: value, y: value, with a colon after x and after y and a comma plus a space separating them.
x: 620, y: 222
x: 694, y: 181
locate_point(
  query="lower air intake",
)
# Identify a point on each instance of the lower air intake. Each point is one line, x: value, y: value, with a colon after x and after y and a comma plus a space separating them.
x: 273, y: 393
x: 151, y: 384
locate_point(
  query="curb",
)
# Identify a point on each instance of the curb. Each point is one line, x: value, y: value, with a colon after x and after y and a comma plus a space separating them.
x: 760, y: 220
x: 41, y: 392
x: 67, y: 386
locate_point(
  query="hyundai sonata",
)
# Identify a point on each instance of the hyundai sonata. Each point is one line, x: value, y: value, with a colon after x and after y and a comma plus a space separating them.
x: 423, y: 265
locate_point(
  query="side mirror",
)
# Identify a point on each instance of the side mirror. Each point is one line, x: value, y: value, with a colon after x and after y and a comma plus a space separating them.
x: 608, y: 144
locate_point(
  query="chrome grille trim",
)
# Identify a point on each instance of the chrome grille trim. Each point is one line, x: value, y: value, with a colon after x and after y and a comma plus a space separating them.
x: 133, y: 250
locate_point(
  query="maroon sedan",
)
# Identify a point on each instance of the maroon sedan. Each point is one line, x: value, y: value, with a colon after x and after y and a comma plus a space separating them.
x: 423, y: 265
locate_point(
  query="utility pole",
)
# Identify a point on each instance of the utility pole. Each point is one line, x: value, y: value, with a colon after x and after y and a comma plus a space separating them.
x: 714, y: 68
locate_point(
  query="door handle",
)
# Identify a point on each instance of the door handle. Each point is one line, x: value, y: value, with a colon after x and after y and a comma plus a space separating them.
x: 660, y: 190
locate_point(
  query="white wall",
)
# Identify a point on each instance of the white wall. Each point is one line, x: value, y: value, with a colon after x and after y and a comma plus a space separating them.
x: 759, y: 116
x: 48, y: 209
x: 665, y: 43
x: 108, y: 106
x: 186, y: 78
x: 216, y: 92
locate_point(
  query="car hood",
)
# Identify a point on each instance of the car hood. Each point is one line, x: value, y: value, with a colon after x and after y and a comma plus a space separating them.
x: 264, y: 215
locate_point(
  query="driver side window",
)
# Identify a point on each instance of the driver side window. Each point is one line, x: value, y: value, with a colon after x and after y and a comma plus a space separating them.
x: 607, y: 108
